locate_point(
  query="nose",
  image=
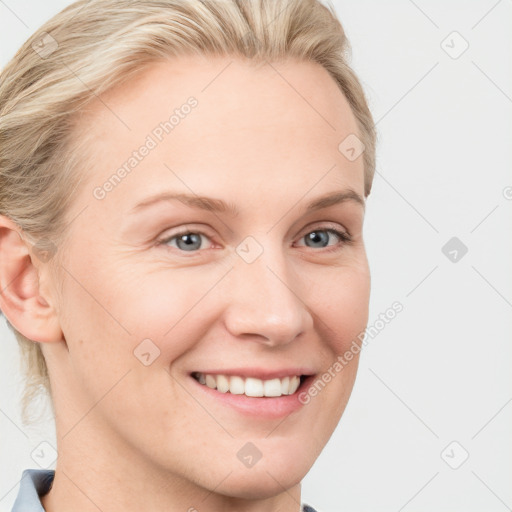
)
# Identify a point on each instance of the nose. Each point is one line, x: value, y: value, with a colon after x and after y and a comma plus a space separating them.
x: 264, y: 301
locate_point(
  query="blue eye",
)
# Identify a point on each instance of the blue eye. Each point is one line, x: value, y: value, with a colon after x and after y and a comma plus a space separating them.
x: 186, y: 240
x: 322, y: 235
x: 191, y: 241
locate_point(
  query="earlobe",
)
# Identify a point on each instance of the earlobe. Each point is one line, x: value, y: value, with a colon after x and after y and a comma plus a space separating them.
x: 22, y: 301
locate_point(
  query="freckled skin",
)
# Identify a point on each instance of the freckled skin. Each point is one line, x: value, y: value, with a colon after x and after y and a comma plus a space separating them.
x: 136, y: 437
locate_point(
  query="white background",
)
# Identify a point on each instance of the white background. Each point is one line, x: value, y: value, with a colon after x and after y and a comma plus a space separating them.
x: 440, y: 371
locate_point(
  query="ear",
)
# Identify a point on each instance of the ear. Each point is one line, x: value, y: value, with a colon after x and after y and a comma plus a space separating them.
x: 28, y: 309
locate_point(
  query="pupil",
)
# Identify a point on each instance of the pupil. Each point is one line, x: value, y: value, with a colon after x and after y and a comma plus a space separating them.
x: 316, y: 236
x: 190, y: 239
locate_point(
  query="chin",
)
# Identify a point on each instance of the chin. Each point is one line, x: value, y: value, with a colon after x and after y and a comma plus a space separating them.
x: 264, y: 483
x: 268, y: 477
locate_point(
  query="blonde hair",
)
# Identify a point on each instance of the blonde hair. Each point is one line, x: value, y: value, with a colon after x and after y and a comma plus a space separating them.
x: 91, y: 46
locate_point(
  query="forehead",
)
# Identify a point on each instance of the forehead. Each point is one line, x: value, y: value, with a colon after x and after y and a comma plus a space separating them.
x: 273, y: 124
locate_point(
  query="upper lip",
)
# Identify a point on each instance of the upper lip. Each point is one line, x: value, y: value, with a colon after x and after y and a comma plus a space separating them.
x: 259, y: 373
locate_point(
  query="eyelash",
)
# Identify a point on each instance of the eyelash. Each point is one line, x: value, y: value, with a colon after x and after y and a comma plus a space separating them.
x: 345, y: 239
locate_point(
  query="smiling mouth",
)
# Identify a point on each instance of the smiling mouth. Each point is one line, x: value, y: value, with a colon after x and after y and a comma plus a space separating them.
x: 249, y: 386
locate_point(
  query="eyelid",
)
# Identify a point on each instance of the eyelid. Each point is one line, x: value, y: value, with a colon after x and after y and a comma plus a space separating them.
x: 324, y: 225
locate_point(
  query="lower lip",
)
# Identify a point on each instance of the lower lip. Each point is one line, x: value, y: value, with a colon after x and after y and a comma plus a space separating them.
x: 260, y: 407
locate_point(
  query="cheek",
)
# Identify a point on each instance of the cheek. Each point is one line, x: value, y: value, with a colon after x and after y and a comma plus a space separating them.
x: 175, y: 309
x: 343, y: 309
x: 343, y: 306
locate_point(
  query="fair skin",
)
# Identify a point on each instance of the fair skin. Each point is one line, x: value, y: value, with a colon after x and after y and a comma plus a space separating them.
x: 133, y: 437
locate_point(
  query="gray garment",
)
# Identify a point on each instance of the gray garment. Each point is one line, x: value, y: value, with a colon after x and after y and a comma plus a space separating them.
x: 37, y: 482
x: 34, y: 484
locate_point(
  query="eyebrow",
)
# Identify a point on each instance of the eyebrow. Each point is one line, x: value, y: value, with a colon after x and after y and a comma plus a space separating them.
x: 218, y: 205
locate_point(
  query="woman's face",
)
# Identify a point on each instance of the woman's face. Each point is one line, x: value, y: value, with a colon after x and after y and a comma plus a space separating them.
x: 157, y: 291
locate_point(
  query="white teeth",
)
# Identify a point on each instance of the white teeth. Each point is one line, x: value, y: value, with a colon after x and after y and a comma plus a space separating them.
x: 211, y: 382
x: 253, y: 387
x: 272, y: 387
x: 285, y: 386
x: 236, y: 385
x: 294, y: 385
x: 222, y: 383
x: 250, y: 386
